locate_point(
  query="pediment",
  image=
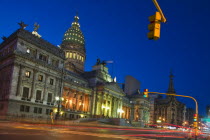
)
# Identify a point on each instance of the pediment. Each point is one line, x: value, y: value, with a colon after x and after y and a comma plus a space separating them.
x: 114, y: 87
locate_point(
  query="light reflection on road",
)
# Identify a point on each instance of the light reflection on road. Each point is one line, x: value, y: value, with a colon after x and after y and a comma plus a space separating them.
x: 100, y: 132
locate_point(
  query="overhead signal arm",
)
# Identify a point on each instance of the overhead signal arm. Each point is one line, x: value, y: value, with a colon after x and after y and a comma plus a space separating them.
x: 163, y: 19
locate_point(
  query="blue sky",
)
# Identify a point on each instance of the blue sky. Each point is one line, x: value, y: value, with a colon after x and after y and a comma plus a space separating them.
x: 116, y: 30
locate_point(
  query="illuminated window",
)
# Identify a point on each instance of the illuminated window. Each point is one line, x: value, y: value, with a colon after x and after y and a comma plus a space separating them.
x: 77, y: 56
x: 40, y: 78
x: 80, y: 57
x: 28, y: 74
x: 28, y: 50
x: 70, y: 55
x: 67, y: 54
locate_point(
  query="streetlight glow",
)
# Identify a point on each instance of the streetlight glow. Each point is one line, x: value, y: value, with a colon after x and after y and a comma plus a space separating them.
x: 56, y: 98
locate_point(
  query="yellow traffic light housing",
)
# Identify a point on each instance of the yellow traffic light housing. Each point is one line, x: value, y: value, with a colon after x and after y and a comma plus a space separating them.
x: 154, y: 26
x: 195, y: 117
x: 145, y: 93
x: 195, y: 124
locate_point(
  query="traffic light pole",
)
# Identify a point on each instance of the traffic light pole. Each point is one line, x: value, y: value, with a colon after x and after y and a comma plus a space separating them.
x: 196, y: 106
x: 163, y: 19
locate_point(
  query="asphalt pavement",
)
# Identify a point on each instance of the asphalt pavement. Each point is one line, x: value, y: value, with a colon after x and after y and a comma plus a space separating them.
x: 24, y: 131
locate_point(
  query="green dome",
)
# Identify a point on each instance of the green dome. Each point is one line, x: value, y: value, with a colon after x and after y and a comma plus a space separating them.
x: 74, y: 34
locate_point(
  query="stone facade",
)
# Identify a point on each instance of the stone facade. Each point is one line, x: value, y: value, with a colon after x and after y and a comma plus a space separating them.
x: 39, y: 79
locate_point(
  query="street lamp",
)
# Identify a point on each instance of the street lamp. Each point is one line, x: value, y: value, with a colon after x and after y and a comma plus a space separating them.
x: 58, y: 99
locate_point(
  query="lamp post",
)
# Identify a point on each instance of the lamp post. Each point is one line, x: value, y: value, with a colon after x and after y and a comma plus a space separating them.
x: 58, y: 99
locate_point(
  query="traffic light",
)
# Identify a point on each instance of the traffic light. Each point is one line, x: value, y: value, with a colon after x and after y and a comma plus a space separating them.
x: 195, y: 117
x: 154, y: 26
x: 145, y: 93
x: 195, y: 124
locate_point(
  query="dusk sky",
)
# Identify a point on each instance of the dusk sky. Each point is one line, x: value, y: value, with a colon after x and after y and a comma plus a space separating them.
x: 117, y: 30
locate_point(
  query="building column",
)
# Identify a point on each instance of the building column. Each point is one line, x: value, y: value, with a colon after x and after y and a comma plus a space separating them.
x: 132, y: 113
x: 106, y: 103
x: 89, y: 104
x: 110, y: 107
x: 45, y: 94
x: 114, y: 111
x: 33, y: 84
x: 19, y: 84
x: 83, y: 101
x: 77, y: 101
x: 102, y: 99
x: 92, y: 105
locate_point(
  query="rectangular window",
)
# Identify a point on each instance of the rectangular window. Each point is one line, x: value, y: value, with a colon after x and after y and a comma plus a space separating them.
x: 55, y: 62
x: 25, y: 92
x: 28, y: 74
x: 40, y: 78
x: 22, y: 108
x: 47, y: 111
x: 43, y: 57
x: 33, y: 53
x: 38, y: 95
x: 67, y: 54
x: 40, y: 110
x: 49, y: 98
x: 51, y: 81
x: 40, y: 56
x: 27, y: 108
x: 35, y: 109
x: 70, y: 55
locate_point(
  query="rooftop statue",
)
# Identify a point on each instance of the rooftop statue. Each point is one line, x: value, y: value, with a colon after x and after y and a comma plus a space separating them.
x: 22, y: 25
x: 36, y: 27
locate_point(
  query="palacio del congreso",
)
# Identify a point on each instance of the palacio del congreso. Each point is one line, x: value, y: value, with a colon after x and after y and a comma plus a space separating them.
x: 41, y: 81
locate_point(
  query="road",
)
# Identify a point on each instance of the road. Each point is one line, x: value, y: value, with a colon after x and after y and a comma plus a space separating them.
x: 24, y: 131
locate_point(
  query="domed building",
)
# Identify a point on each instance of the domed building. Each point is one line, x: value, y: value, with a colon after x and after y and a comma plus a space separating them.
x: 73, y: 45
x: 43, y: 81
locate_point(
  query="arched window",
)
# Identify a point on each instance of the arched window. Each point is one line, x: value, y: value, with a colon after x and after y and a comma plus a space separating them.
x: 70, y: 55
